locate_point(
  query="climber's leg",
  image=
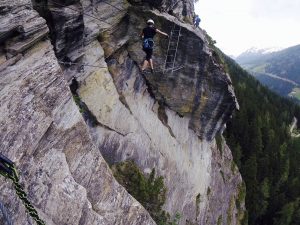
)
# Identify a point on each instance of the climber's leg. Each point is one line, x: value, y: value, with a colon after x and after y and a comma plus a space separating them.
x: 148, y: 61
x: 145, y: 64
x: 151, y: 65
x: 149, y: 58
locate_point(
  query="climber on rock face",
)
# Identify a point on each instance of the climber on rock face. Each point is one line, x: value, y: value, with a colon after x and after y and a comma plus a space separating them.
x: 197, y: 21
x: 148, y: 34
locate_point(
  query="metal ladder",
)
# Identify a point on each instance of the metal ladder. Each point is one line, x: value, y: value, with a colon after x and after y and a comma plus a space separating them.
x: 172, y: 48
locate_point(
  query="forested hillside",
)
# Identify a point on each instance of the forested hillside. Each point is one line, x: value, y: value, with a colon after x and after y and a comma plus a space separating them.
x: 265, y: 152
x: 278, y: 70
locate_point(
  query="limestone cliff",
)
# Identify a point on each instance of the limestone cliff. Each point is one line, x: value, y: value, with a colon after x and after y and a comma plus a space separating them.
x: 167, y: 121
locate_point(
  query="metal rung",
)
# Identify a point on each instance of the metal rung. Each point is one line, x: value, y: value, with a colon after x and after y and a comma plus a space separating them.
x: 178, y: 68
x: 172, y: 47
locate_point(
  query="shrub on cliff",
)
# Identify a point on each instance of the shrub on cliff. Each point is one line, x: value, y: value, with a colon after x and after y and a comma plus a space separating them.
x: 148, y: 190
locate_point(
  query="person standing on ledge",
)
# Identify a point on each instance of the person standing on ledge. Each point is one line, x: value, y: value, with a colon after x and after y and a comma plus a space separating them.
x: 148, y: 34
x: 197, y: 21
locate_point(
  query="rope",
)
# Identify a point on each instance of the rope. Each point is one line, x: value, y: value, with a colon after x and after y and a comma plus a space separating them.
x: 45, y: 6
x: 71, y: 63
x: 4, y: 212
x: 59, y: 4
x: 164, y: 70
x: 172, y: 7
x: 9, y: 170
x: 113, y: 6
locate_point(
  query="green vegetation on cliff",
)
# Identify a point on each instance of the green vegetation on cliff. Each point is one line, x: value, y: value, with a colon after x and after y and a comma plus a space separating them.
x: 149, y: 191
x: 267, y: 156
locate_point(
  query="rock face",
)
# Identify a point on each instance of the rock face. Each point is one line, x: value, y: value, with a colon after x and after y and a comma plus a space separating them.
x: 182, y: 9
x: 63, y: 173
x: 65, y: 20
x: 167, y: 121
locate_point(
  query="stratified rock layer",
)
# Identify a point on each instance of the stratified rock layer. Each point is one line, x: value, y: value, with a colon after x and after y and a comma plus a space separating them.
x: 167, y: 121
x: 42, y: 131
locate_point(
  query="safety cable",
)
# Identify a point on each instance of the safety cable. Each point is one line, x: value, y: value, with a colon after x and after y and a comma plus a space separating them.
x: 172, y: 7
x: 59, y: 4
x: 71, y: 63
x: 82, y: 12
x: 113, y: 6
x: 8, y: 170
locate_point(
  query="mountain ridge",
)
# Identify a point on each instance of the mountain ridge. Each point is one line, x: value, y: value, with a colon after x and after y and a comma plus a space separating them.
x: 282, y: 64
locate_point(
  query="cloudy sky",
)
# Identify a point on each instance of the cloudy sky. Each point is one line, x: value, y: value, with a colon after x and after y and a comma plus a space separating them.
x: 238, y: 25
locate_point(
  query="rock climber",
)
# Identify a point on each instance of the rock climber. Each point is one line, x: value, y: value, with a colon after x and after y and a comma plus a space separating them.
x: 148, y: 34
x: 197, y: 21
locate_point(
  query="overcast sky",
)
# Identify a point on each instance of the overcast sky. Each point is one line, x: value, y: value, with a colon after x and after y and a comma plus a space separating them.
x: 238, y: 25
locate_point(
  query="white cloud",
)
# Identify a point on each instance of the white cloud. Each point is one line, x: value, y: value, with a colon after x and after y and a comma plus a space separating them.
x: 237, y: 25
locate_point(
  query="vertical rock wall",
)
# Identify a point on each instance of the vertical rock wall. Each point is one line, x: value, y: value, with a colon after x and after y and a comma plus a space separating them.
x: 157, y: 119
x: 42, y: 131
x: 162, y: 121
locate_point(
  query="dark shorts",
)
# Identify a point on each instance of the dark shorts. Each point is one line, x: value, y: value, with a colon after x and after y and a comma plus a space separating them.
x: 149, y: 53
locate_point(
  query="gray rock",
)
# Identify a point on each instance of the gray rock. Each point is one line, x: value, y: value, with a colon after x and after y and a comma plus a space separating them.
x: 42, y: 131
x: 167, y: 121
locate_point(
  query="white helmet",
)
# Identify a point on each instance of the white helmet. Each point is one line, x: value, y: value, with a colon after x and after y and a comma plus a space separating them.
x: 150, y: 21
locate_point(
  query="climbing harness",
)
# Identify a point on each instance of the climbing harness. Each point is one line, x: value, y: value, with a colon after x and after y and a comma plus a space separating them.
x: 172, y: 48
x: 8, y: 170
x: 148, y: 43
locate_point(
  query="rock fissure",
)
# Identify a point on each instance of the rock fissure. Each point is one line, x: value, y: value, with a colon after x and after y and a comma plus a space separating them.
x: 164, y: 119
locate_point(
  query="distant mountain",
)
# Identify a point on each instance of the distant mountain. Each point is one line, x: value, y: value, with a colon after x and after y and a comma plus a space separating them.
x: 279, y: 70
x: 254, y: 54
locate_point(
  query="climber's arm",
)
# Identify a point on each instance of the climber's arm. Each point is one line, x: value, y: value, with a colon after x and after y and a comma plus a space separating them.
x: 142, y: 34
x: 163, y: 33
